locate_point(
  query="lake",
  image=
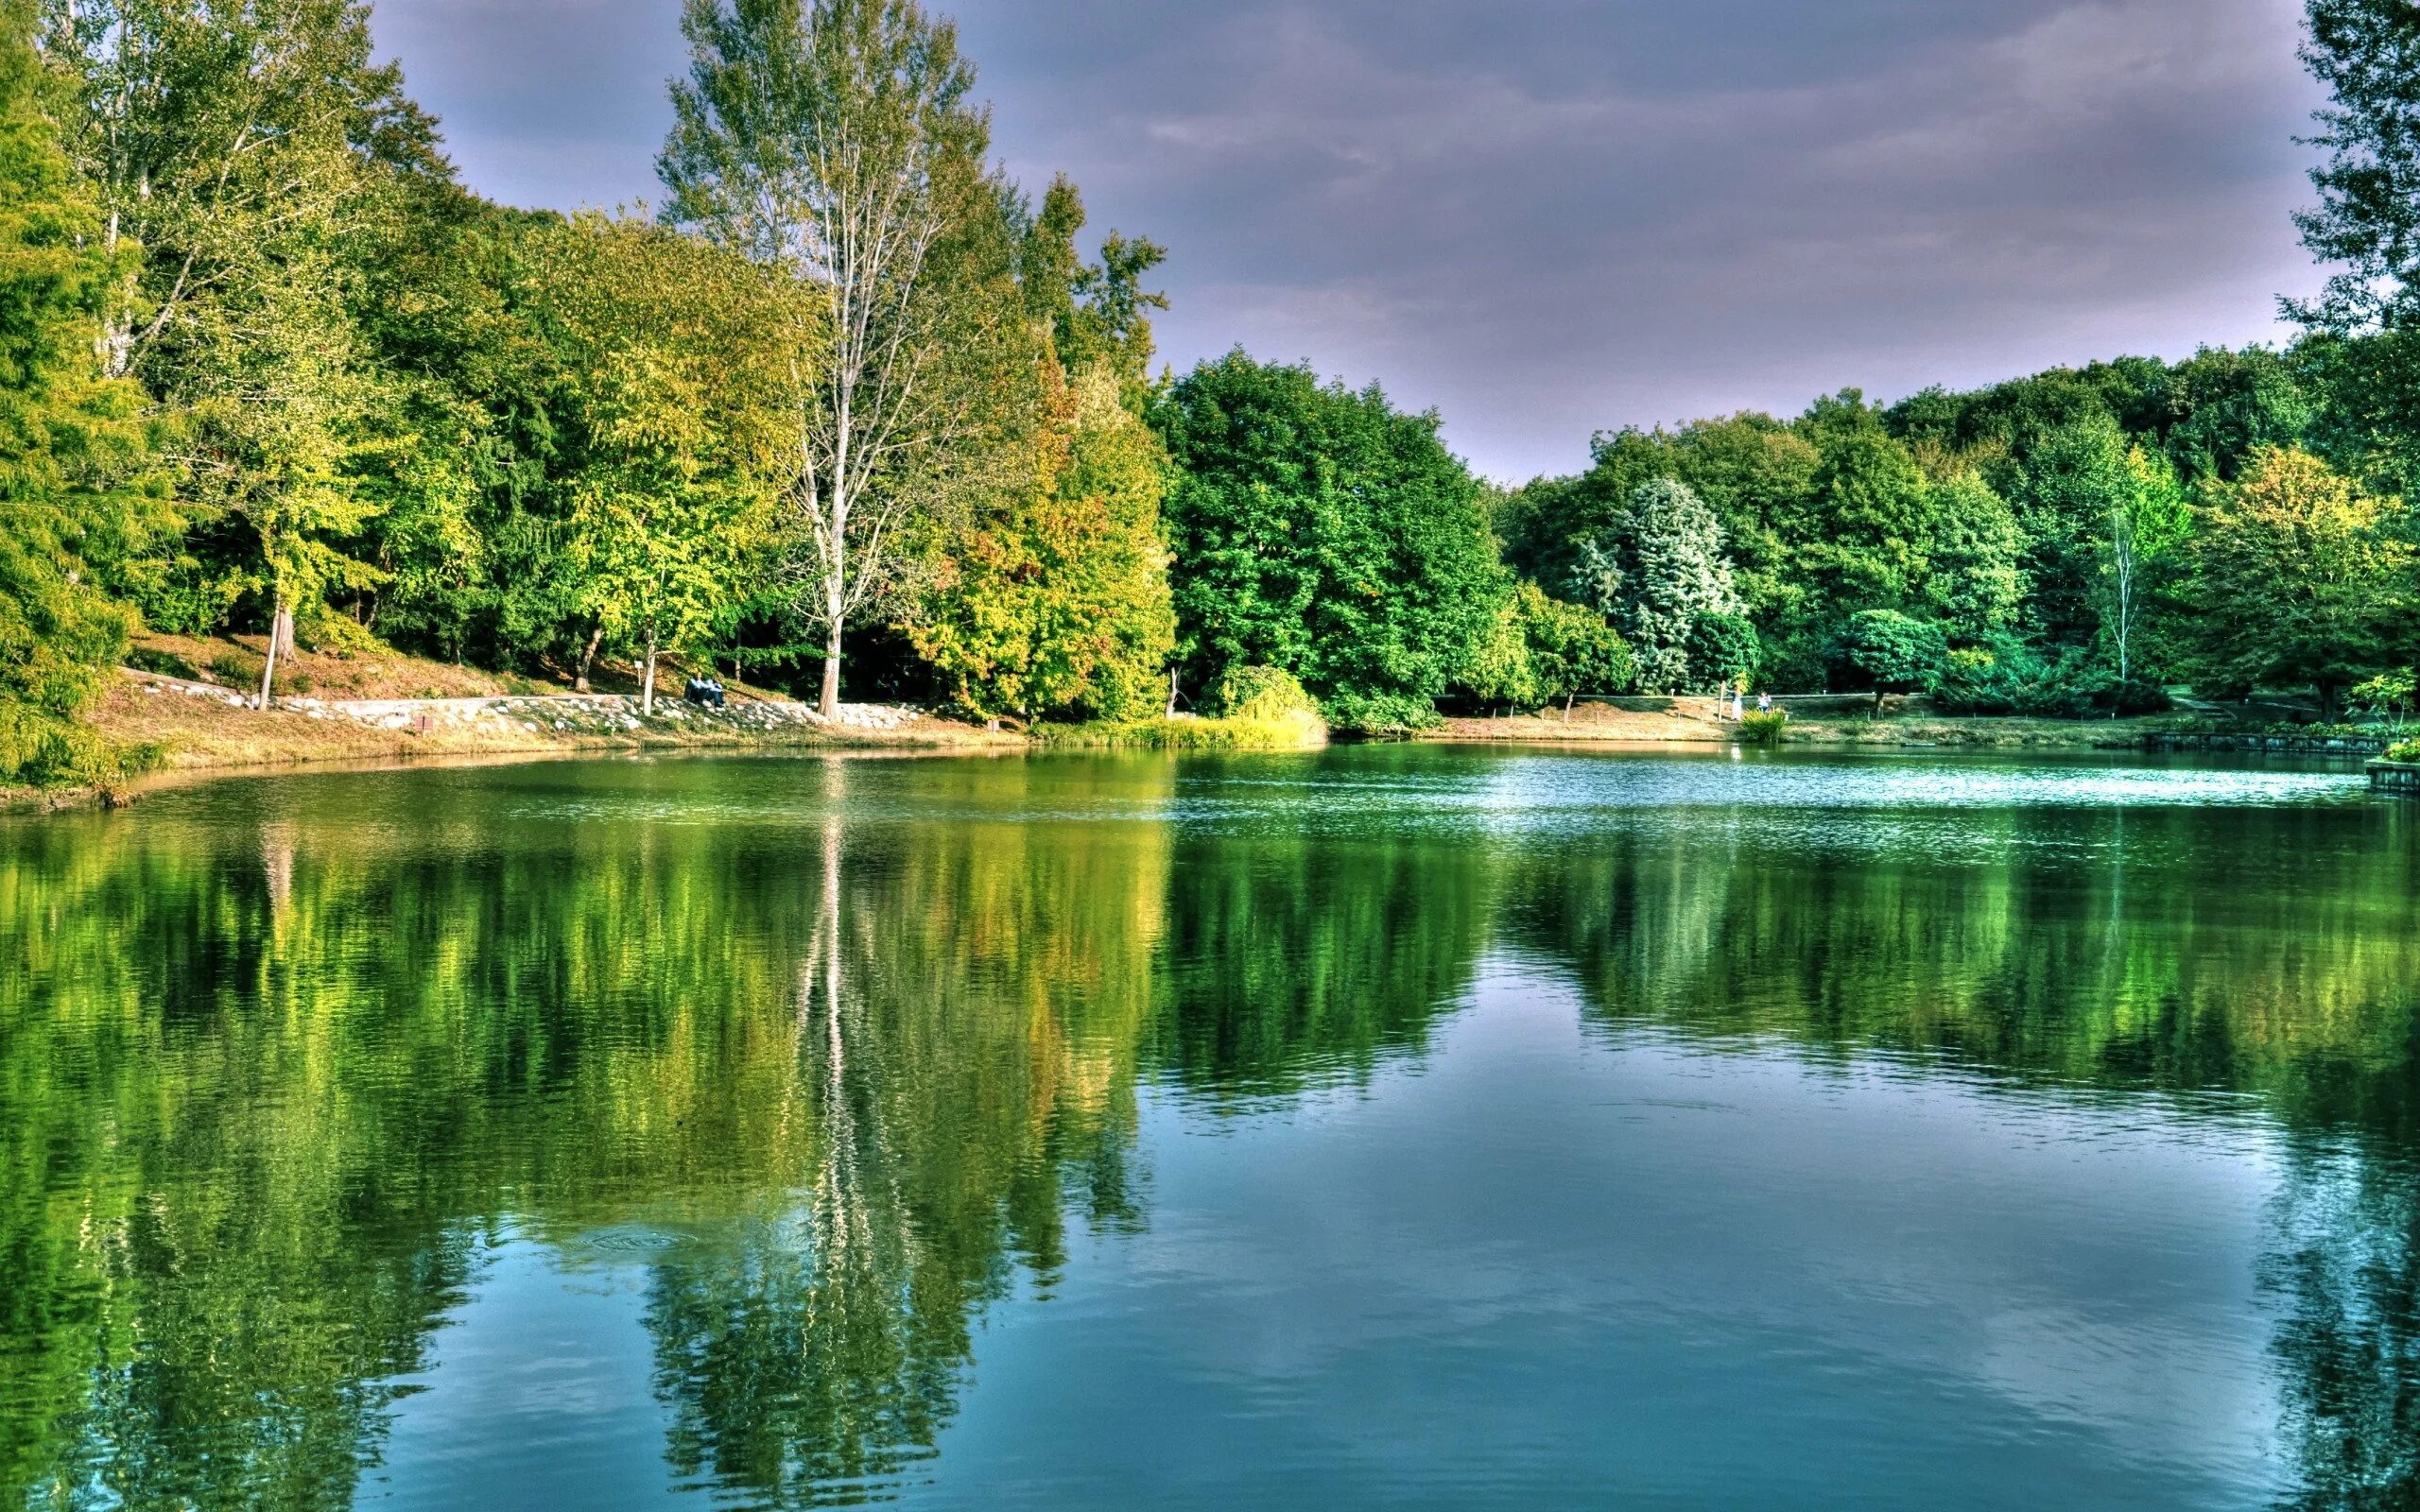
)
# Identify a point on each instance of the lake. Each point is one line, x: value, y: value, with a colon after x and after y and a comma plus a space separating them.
x: 1402, y: 1126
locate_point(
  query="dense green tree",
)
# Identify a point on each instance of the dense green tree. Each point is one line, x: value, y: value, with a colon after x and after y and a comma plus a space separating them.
x: 1863, y: 538
x: 2146, y: 526
x: 451, y: 305
x: 1318, y: 529
x: 1094, y: 314
x: 1055, y: 602
x: 2218, y: 405
x: 674, y: 403
x: 1976, y: 582
x: 2298, y: 579
x: 241, y: 146
x: 1890, y: 652
x: 2064, y: 494
x: 1755, y: 473
x: 1542, y: 649
x: 1724, y: 650
x: 67, y: 438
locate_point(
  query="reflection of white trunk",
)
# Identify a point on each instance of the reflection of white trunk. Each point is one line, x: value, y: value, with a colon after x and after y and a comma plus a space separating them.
x: 277, y: 865
x: 835, y: 1213
x: 860, y: 1218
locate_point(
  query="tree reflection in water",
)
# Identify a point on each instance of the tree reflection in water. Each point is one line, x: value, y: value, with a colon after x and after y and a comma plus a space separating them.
x: 273, y: 1067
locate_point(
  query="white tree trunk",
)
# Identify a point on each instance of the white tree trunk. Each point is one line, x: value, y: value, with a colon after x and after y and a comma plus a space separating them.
x: 280, y: 635
x: 829, y: 704
x: 647, y: 685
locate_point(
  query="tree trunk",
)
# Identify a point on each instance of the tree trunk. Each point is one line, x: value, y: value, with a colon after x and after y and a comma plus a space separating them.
x: 2328, y: 703
x: 280, y: 634
x: 1171, y: 714
x: 588, y: 659
x: 647, y: 687
x: 829, y: 704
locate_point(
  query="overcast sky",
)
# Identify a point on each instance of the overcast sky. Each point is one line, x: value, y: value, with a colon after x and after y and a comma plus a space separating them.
x: 1547, y: 217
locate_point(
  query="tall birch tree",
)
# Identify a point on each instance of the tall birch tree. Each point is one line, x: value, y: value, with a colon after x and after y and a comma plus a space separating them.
x: 838, y: 141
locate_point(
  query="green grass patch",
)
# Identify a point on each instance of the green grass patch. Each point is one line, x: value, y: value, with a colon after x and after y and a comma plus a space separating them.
x: 1292, y: 731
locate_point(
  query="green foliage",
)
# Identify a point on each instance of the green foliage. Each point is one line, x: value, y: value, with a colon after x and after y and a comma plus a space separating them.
x: 1868, y: 539
x: 667, y: 396
x: 1890, y: 652
x: 1263, y: 693
x: 2298, y: 577
x: 2367, y: 223
x: 1539, y: 649
x: 1759, y: 729
x: 1095, y: 315
x: 1316, y: 529
x: 1572, y: 650
x: 1724, y: 650
x: 245, y: 147
x: 67, y: 441
x: 2389, y: 695
x: 1261, y: 709
x: 2404, y: 751
x: 1657, y: 573
x: 837, y: 143
x: 1501, y: 669
x: 1054, y: 603
x: 1977, y: 585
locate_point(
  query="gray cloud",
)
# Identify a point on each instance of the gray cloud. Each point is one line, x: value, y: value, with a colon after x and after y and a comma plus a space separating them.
x: 1556, y: 216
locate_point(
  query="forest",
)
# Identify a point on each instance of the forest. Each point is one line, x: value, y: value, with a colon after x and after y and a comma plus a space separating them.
x: 847, y: 409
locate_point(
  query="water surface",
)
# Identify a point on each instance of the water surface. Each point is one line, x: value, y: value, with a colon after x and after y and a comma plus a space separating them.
x: 1399, y: 1127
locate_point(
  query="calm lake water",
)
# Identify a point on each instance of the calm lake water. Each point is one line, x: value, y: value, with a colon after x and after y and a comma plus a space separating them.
x: 1394, y: 1127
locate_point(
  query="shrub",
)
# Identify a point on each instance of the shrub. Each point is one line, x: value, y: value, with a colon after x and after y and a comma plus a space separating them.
x: 1263, y: 692
x: 1765, y: 729
x: 236, y: 667
x: 166, y: 663
x: 2408, y: 751
x: 1266, y: 709
x: 2320, y: 732
x: 1380, y: 713
x: 2008, y: 676
x: 47, y: 750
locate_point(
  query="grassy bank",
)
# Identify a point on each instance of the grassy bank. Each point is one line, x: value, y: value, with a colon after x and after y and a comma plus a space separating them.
x: 185, y: 708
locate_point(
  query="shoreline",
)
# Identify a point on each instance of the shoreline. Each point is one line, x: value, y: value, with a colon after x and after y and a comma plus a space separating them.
x: 204, y: 731
x: 196, y: 729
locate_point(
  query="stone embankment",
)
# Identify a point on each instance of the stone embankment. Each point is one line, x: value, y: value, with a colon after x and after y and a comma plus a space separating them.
x: 2271, y: 745
x: 2395, y: 777
x: 570, y: 715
